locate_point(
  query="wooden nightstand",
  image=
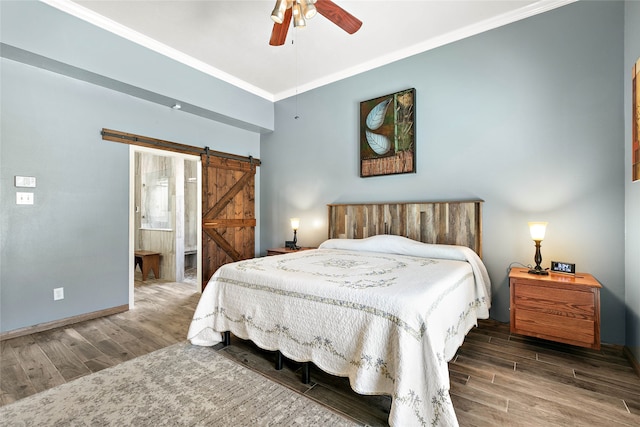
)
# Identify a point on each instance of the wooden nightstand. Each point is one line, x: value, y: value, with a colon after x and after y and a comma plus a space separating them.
x: 281, y: 251
x: 557, y: 307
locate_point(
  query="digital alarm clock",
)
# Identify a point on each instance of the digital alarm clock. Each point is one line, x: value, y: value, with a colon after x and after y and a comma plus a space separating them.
x: 563, y: 267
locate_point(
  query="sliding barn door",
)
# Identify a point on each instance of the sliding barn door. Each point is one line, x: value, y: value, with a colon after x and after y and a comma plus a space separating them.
x: 228, y: 213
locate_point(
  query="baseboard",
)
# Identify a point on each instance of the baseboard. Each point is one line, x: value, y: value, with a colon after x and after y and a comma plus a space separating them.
x: 632, y: 359
x: 62, y: 322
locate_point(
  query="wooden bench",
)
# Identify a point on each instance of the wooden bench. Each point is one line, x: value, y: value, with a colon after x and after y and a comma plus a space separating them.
x: 190, y: 258
x: 148, y: 260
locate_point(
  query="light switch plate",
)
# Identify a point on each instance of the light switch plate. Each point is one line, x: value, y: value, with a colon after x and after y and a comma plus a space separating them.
x: 25, y: 181
x: 24, y: 198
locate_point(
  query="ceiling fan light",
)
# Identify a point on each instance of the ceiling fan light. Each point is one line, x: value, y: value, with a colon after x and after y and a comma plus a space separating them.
x: 308, y: 9
x: 277, y: 17
x: 298, y: 18
x: 278, y: 11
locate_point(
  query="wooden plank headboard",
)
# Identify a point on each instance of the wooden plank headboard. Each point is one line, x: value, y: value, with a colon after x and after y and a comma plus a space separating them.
x: 451, y: 223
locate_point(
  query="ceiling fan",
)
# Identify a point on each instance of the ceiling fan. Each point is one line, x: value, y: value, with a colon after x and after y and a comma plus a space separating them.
x: 301, y: 10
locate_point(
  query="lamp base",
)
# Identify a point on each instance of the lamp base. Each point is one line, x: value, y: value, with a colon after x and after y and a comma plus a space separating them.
x: 538, y: 271
x: 290, y: 244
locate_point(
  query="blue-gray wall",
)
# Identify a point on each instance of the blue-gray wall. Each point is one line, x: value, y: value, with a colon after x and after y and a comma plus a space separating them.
x: 76, y: 235
x: 88, y: 52
x: 527, y: 117
x: 632, y: 189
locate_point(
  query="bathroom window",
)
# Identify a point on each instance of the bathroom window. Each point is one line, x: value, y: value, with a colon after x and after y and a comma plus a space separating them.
x: 156, y: 209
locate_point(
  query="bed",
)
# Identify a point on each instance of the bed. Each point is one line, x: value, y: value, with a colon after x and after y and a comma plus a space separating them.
x: 384, y: 310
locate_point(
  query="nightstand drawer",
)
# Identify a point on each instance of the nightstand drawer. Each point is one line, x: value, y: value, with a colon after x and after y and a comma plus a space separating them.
x: 555, y: 327
x: 555, y: 300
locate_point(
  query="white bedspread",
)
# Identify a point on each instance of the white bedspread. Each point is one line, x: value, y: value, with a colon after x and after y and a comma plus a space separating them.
x: 386, y: 312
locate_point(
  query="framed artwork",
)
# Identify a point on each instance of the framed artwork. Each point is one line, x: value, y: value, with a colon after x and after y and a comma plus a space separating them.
x: 635, y: 122
x: 387, y: 134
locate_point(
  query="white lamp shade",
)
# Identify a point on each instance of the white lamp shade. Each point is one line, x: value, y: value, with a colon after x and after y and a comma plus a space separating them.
x: 298, y: 18
x: 537, y: 230
x: 308, y: 9
x: 278, y: 11
x: 295, y: 223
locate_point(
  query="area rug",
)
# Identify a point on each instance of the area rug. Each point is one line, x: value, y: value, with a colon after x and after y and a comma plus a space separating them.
x: 181, y: 385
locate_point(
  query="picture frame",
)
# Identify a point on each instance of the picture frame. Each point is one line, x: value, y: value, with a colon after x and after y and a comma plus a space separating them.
x: 387, y: 134
x: 635, y: 121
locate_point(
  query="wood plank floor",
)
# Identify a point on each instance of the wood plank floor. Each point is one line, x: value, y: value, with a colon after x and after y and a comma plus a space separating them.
x: 496, y: 378
x: 161, y: 317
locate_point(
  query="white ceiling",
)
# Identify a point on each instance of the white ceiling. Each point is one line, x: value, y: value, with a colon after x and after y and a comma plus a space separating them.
x: 230, y: 39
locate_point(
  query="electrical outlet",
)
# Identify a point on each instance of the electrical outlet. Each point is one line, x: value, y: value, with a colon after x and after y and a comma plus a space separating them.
x: 24, y: 198
x: 58, y: 294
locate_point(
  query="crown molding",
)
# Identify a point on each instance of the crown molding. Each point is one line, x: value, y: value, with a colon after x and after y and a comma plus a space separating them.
x: 127, y: 33
x: 453, y: 36
x: 107, y: 24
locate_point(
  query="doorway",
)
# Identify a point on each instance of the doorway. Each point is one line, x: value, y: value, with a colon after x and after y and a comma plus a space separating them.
x: 165, y: 213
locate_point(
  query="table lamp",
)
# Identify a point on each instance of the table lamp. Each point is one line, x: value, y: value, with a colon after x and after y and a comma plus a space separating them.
x: 537, y: 230
x: 292, y: 244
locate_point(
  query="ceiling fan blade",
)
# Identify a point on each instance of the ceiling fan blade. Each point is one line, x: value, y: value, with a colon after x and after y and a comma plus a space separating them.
x: 338, y: 16
x: 279, y: 32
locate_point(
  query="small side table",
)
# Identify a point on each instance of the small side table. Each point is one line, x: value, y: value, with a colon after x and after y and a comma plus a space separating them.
x: 282, y: 251
x: 558, y: 307
x: 148, y: 260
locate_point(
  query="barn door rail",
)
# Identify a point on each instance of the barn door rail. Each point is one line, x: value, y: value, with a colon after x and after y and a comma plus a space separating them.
x: 144, y: 141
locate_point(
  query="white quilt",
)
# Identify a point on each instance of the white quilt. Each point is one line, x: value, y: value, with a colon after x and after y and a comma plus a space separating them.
x: 386, y: 312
